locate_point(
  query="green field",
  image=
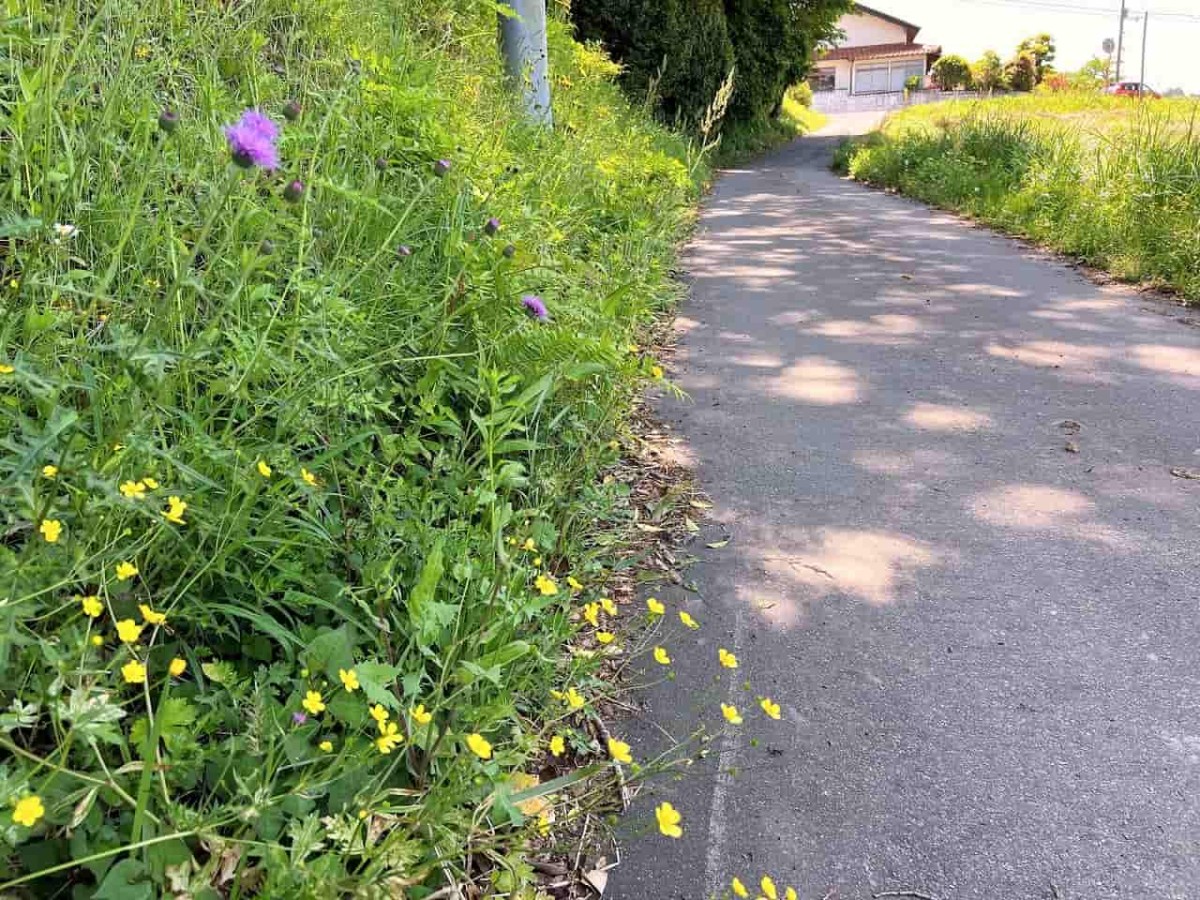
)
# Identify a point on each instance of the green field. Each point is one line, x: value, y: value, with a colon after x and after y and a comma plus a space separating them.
x: 1112, y: 181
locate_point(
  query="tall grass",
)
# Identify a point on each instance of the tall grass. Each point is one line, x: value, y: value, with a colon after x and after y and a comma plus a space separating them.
x: 389, y: 468
x: 1109, y: 180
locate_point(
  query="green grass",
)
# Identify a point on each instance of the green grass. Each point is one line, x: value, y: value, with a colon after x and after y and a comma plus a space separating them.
x: 388, y: 467
x: 741, y: 141
x: 1112, y: 181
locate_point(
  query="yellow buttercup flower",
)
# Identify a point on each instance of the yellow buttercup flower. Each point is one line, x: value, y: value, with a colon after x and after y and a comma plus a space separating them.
x: 133, y: 490
x: 6, y: 369
x: 687, y: 620
x: 129, y: 631
x: 768, y: 888
x: 349, y: 680
x: 591, y: 612
x: 557, y: 745
x: 309, y: 478
x: 605, y: 637
x: 151, y: 617
x: 49, y: 471
x: 769, y: 707
x: 656, y: 371
x: 420, y: 715
x: 378, y: 713
x: 731, y: 714
x: 479, y: 745
x: 738, y: 888
x: 537, y: 561
x: 669, y: 820
x: 326, y: 746
x: 619, y: 750
x: 389, y: 737
x: 574, y: 699
x: 661, y: 657
x: 175, y: 510
x: 529, y: 545
x: 263, y: 469
x: 134, y: 672
x: 97, y: 640
x: 546, y: 585
x: 610, y: 608
x: 51, y: 530
x: 91, y: 605
x: 150, y: 483
x: 126, y: 570
x: 728, y: 660
x: 574, y: 583
x: 177, y: 667
x: 790, y: 894
x: 313, y: 703
x: 656, y: 608
x: 28, y: 810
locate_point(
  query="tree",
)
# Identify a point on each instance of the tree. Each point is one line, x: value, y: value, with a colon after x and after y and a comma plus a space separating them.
x: 1093, y: 75
x: 1021, y: 72
x: 988, y: 72
x: 1041, y: 48
x: 951, y: 73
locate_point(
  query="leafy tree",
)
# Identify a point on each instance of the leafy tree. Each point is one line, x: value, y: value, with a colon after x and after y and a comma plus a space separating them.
x: 1021, y: 72
x: 951, y: 72
x: 988, y: 72
x: 1093, y: 75
x: 1041, y: 48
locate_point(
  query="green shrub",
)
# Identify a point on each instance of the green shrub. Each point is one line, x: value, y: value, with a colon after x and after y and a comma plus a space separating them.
x: 275, y: 456
x: 951, y: 72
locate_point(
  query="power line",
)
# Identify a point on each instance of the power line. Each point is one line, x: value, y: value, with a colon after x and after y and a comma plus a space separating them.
x: 1066, y: 7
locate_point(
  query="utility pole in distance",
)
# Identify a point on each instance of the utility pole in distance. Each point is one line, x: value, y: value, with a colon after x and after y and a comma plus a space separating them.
x: 1145, y: 31
x: 1120, y: 41
x: 527, y: 57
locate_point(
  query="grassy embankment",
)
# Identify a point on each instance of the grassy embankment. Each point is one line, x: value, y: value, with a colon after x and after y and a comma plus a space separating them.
x: 796, y: 118
x: 1111, y: 181
x: 291, y: 483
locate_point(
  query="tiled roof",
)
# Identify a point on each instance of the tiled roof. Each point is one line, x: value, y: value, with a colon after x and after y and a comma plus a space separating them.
x: 874, y: 51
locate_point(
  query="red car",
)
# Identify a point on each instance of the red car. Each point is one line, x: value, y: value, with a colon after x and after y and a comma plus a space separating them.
x: 1132, y: 89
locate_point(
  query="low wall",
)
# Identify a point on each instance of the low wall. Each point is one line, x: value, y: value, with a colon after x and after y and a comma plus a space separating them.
x: 844, y: 101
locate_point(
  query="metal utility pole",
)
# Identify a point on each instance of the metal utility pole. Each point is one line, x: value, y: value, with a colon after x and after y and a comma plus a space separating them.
x: 1145, y: 31
x: 1120, y: 41
x: 526, y: 57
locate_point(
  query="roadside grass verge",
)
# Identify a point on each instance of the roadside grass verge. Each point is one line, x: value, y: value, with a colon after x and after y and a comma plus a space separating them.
x: 742, y: 141
x: 1110, y: 181
x: 297, y: 497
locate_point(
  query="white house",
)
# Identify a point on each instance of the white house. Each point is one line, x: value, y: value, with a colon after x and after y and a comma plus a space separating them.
x: 877, y: 56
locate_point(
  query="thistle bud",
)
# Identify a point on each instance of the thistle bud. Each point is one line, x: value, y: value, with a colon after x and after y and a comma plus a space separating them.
x: 491, y: 226
x: 293, y: 191
x: 441, y: 168
x: 168, y: 121
x: 292, y: 110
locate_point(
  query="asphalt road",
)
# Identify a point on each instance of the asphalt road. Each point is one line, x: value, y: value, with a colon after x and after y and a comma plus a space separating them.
x: 958, y: 558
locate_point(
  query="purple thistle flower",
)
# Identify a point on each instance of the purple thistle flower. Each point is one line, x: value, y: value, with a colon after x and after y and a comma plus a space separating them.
x: 252, y: 141
x: 491, y: 226
x: 441, y: 168
x: 404, y: 250
x: 535, y: 307
x: 299, y: 718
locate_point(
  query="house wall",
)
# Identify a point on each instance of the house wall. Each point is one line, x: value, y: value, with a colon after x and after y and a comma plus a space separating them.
x: 864, y: 30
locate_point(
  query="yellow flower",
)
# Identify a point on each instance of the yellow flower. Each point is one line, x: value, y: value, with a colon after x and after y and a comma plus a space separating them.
x: 739, y: 889
x: 349, y: 680
x: 419, y: 714
x: 97, y: 640
x: 150, y: 483
x: 537, y: 561
x: 656, y: 371
x: 656, y: 608
x: 768, y: 888
x: 51, y: 530
x: 610, y: 608
x: 687, y: 620
x: 574, y: 583
x: 557, y: 745
x: 605, y: 637
x: 326, y: 746
x: 133, y: 490
x: 126, y: 570
x: 49, y: 471
x: 479, y: 746
x: 389, y: 737
x: 669, y: 820
x: 313, y: 702
x: 790, y: 894
x: 574, y: 699
x: 591, y: 612
x: 28, y: 810
x: 309, y: 478
x: 177, y: 667
x: 614, y: 445
x: 634, y: 348
x: 151, y: 617
x: 731, y: 714
x: 263, y: 469
x: 546, y: 585
x: 362, y: 813
x: 175, y: 510
x: 770, y: 708
x: 129, y: 631
x: 661, y: 657
x: 728, y: 660
x: 529, y: 544
x: 6, y: 369
x: 512, y: 541
x: 619, y: 750
x: 91, y: 605
x: 379, y: 714
x: 134, y: 672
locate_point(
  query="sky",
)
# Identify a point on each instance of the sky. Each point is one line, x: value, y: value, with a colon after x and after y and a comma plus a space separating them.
x: 968, y: 27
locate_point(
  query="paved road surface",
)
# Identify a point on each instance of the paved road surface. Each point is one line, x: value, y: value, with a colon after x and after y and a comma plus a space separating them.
x: 985, y: 645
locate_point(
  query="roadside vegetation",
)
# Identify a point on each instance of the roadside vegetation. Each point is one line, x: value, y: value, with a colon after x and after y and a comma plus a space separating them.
x: 1112, y: 181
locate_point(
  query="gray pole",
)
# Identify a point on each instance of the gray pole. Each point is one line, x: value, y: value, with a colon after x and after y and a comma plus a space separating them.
x: 526, y: 57
x: 1145, y: 30
x: 1120, y: 41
